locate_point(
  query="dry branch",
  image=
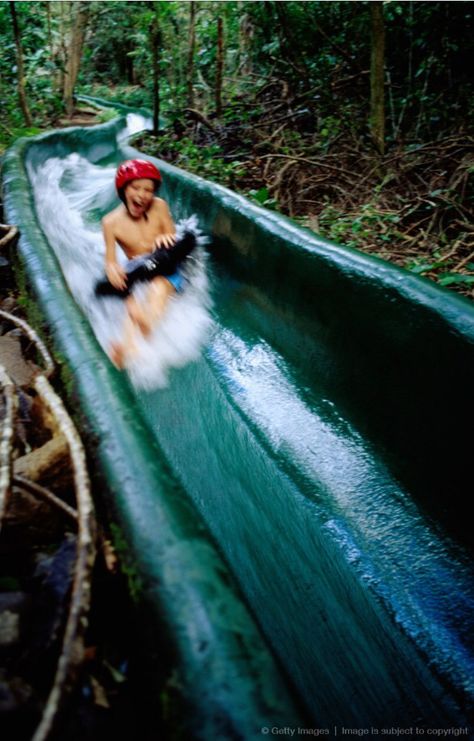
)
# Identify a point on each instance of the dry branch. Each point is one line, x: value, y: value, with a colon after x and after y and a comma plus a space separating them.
x: 11, y: 233
x: 73, y: 643
x: 48, y: 458
x: 46, y: 495
x: 31, y: 334
x: 314, y: 163
x: 464, y: 261
x: 198, y: 116
x: 6, y: 438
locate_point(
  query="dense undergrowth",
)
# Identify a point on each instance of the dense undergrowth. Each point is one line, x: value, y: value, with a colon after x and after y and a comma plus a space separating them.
x: 412, y: 206
x: 277, y: 101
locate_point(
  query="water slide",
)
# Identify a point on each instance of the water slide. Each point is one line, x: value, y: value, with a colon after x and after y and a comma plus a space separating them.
x: 287, y: 458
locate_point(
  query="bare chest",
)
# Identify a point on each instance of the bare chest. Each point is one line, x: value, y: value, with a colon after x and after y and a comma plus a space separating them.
x: 138, y: 238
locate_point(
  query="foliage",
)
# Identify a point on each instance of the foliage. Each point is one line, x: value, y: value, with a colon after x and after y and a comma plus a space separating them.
x: 45, y: 103
x: 107, y: 114
x: 370, y: 221
x: 293, y: 133
x: 318, y: 50
x: 206, y: 161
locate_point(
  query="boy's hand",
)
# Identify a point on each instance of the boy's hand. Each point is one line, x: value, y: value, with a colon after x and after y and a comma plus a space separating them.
x: 116, y: 275
x: 165, y: 240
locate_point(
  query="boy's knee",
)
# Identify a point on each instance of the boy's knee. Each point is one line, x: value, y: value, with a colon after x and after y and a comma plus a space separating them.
x: 161, y: 286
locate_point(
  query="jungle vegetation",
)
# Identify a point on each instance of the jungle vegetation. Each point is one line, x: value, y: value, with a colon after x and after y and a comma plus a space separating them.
x: 352, y: 118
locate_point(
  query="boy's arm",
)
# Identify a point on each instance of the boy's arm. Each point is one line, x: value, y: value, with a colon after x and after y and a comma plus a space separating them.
x: 168, y: 236
x: 114, y: 272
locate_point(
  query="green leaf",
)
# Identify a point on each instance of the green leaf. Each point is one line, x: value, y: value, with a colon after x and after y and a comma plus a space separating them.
x: 449, y: 279
x: 423, y: 268
x: 260, y: 195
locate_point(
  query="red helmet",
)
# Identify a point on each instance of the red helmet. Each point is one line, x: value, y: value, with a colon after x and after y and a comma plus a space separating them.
x: 134, y: 170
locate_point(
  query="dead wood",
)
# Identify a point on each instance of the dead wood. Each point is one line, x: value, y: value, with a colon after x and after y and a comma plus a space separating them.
x: 46, y: 495
x: 33, y: 336
x: 73, y: 643
x: 6, y: 438
x: 50, y: 462
x: 9, y: 234
x: 63, y: 451
x: 201, y: 118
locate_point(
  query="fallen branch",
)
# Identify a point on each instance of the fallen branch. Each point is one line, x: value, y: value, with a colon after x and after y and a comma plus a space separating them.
x: 464, y: 262
x: 38, y: 462
x: 31, y: 334
x: 46, y: 495
x: 262, y: 124
x: 73, y: 643
x: 6, y: 438
x: 465, y: 225
x: 316, y: 163
x: 12, y: 232
x: 198, y: 116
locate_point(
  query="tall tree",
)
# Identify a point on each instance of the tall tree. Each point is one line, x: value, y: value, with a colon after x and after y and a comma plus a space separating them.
x: 377, y: 66
x: 191, y: 48
x: 219, y: 65
x: 77, y: 34
x: 20, y: 68
x: 156, y: 41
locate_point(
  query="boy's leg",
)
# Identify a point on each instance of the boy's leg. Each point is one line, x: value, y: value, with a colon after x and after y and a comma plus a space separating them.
x: 141, y: 318
x: 119, y: 351
x: 148, y: 313
x: 158, y: 295
x: 137, y: 313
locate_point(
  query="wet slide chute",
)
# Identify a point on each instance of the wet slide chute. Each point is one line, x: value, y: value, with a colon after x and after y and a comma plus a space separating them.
x: 314, y: 447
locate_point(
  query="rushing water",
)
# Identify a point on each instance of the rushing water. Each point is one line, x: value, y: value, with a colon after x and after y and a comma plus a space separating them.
x: 71, y: 195
x: 367, y: 604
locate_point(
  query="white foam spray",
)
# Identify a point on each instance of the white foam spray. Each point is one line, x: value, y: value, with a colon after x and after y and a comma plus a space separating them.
x: 69, y: 193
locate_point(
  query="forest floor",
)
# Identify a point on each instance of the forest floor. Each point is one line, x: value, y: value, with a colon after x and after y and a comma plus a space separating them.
x: 107, y: 696
x: 413, y: 207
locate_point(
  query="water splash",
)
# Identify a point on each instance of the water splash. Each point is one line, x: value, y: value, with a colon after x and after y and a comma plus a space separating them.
x: 418, y: 575
x: 136, y: 123
x: 71, y: 194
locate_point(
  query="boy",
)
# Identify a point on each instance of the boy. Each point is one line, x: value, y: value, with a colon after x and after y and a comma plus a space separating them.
x: 140, y: 225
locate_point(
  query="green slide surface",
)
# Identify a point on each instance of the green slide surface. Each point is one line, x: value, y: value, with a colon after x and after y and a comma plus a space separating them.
x: 295, y: 497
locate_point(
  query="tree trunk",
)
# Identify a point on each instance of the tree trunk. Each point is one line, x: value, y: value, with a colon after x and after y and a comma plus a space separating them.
x: 50, y: 32
x: 219, y: 65
x: 20, y: 70
x: 155, y: 38
x: 288, y: 44
x: 246, y: 34
x: 74, y: 53
x: 130, y: 70
x: 60, y: 46
x: 377, y: 106
x: 192, y: 44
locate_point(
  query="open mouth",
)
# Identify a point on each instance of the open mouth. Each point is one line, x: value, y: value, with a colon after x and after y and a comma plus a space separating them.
x: 136, y: 206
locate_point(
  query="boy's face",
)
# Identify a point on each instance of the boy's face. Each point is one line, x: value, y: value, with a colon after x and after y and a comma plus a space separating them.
x: 139, y: 195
